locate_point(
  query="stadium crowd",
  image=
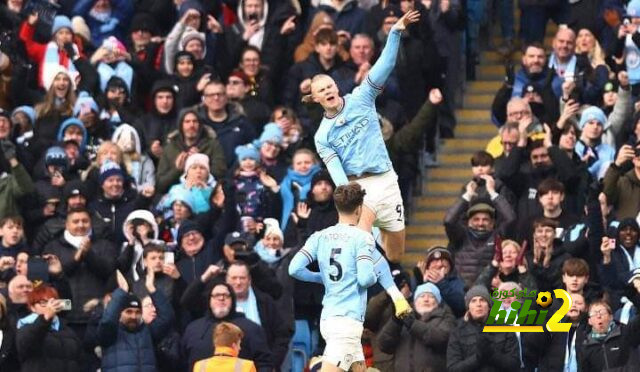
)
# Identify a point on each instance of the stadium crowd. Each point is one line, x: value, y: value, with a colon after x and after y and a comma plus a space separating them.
x: 158, y: 172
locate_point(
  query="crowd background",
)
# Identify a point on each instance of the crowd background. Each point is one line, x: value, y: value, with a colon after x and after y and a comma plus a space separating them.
x: 158, y: 170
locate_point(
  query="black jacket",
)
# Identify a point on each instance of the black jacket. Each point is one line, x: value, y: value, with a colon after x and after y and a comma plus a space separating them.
x: 197, y: 340
x: 41, y: 349
x: 234, y: 131
x: 617, y: 352
x: 470, y: 349
x: 420, y: 345
x: 88, y: 277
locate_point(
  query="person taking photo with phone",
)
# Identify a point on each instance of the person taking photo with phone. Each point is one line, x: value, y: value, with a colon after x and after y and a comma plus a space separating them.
x: 43, y: 341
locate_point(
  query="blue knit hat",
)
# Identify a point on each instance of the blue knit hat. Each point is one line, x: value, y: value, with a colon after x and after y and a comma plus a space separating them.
x: 247, y: 151
x: 57, y: 157
x: 60, y: 22
x: 271, y: 133
x: 108, y: 169
x: 633, y: 8
x: 179, y: 194
x: 592, y: 113
x: 186, y: 227
x: 427, y: 288
x: 27, y: 110
x: 84, y: 99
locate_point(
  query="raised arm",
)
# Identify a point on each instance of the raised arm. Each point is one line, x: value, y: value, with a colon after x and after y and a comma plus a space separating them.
x: 333, y: 163
x: 387, y: 60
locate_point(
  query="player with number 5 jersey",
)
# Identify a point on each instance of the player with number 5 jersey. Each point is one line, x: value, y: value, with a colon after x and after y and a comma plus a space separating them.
x: 343, y: 252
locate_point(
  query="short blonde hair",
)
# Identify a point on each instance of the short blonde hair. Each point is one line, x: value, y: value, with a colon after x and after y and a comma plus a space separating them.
x: 226, y: 334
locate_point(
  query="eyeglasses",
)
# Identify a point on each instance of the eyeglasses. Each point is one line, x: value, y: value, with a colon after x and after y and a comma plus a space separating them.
x: 221, y: 296
x: 209, y: 95
x: 598, y: 313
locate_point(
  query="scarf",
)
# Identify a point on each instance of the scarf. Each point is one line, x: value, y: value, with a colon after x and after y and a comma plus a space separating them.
x: 75, y: 241
x: 570, y: 360
x: 102, y: 17
x: 634, y: 262
x: 570, y: 67
x: 304, y: 183
x: 249, y: 307
x: 269, y: 255
x: 632, y: 60
x: 52, y: 60
x: 31, y: 318
x: 121, y: 70
x: 601, y: 336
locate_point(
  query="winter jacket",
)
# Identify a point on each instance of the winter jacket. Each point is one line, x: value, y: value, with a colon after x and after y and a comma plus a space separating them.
x: 617, y: 352
x: 546, y: 351
x: 235, y: 130
x: 125, y: 350
x: 470, y: 349
x: 167, y: 174
x: 623, y: 191
x: 42, y: 349
x: 549, y: 278
x: 113, y: 25
x: 348, y: 17
x: 89, y: 276
x: 115, y: 211
x: 422, y: 346
x: 8, y: 353
x: 521, y: 178
x: 12, y: 187
x: 197, y: 340
x: 472, y: 254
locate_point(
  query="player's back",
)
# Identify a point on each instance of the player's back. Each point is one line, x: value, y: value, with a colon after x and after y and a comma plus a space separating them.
x: 338, y: 248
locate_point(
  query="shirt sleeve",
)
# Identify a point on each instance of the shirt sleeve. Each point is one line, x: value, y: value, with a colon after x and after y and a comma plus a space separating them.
x: 333, y: 163
x: 305, y: 256
x: 364, y: 262
x: 379, y: 73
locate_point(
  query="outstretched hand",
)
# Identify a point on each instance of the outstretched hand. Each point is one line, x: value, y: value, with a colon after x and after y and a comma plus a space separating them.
x: 408, y: 18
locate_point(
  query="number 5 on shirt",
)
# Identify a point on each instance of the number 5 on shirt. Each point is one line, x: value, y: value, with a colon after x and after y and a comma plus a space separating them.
x: 334, y: 263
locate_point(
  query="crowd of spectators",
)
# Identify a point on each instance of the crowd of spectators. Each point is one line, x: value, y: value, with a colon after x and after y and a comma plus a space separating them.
x: 158, y: 173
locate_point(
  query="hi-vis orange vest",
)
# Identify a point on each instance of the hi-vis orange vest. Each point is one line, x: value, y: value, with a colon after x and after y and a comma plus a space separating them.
x: 225, y: 359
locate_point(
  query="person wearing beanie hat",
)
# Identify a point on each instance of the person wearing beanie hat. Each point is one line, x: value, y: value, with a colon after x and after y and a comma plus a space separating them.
x: 197, y: 181
x: 590, y: 145
x: 437, y: 268
x: 122, y: 331
x: 57, y: 158
x: 80, y: 28
x: 197, y: 159
x: 247, y: 152
x: 470, y: 347
x: 60, y: 52
x: 60, y: 22
x: 270, y: 133
x: 404, y: 338
x: 84, y: 104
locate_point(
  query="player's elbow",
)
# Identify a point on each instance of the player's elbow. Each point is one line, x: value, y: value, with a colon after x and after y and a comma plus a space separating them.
x: 293, y: 270
x: 367, y: 281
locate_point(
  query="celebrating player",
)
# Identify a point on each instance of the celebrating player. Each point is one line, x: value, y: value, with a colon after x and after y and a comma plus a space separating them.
x: 349, y: 141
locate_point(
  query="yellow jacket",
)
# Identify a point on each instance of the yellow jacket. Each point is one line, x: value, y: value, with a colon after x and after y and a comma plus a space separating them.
x: 225, y: 359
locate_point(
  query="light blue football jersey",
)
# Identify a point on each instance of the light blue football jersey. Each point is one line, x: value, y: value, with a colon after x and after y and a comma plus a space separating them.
x: 351, y: 143
x: 343, y: 253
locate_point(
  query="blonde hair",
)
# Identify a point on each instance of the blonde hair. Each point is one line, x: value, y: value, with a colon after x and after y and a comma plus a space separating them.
x: 100, y: 154
x: 308, y: 98
x: 596, y: 55
x: 508, y: 242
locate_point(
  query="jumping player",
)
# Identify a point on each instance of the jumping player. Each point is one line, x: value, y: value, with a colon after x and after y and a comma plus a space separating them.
x: 343, y: 252
x: 350, y: 143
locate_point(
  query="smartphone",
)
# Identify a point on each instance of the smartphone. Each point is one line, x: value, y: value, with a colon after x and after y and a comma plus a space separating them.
x: 612, y: 242
x: 66, y: 304
x: 169, y: 258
